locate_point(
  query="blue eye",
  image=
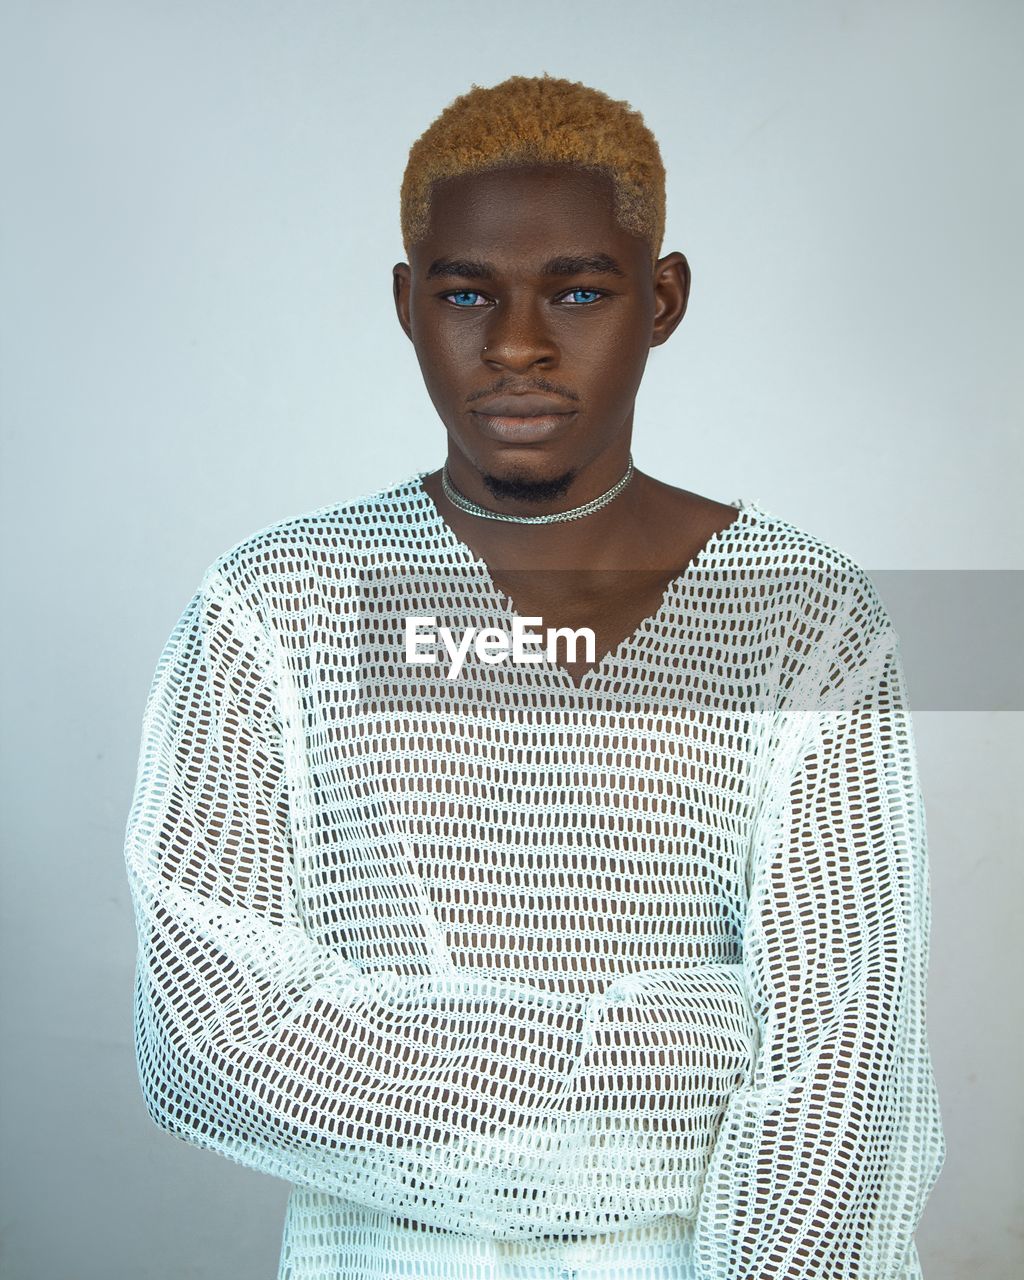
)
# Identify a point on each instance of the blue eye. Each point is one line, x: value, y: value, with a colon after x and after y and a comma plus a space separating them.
x: 464, y: 298
x: 583, y: 297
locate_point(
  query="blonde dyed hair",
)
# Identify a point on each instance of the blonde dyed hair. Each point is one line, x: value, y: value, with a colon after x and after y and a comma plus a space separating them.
x: 530, y: 120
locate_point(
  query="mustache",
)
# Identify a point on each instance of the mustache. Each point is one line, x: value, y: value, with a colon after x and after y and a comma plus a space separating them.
x: 517, y: 387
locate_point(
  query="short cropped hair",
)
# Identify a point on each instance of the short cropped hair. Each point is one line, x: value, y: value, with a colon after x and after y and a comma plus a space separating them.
x: 540, y: 120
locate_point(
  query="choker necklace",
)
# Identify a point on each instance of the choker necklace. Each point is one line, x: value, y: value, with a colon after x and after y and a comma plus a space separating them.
x: 575, y: 513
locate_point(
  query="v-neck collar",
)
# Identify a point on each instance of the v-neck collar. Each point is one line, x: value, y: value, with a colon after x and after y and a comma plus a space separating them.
x: 748, y: 512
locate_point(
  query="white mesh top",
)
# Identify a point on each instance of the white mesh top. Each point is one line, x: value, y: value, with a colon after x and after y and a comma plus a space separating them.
x: 492, y: 963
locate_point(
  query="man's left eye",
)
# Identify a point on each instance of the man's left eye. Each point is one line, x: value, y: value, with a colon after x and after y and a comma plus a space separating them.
x: 580, y: 297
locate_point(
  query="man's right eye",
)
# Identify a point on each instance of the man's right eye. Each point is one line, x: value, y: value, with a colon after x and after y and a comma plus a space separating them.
x: 465, y: 298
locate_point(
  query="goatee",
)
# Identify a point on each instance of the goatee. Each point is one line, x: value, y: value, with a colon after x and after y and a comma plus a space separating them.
x: 517, y: 489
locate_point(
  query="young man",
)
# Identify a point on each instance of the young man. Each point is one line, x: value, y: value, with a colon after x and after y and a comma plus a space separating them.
x: 520, y: 960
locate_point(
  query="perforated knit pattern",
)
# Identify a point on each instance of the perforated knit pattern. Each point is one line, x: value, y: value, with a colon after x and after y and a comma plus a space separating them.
x: 497, y: 966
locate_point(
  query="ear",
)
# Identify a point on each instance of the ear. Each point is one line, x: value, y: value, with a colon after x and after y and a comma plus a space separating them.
x: 401, y: 284
x: 671, y: 293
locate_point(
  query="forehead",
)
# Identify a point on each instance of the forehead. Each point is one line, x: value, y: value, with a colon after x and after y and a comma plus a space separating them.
x: 523, y: 214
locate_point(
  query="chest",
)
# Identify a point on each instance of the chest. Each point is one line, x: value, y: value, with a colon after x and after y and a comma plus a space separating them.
x: 534, y: 836
x: 609, y: 604
x: 515, y: 819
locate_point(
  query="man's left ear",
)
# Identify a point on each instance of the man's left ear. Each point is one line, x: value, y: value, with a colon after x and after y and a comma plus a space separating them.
x: 401, y: 280
x: 671, y: 292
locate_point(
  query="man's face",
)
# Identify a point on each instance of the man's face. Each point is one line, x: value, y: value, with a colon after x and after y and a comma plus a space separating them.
x: 532, y: 313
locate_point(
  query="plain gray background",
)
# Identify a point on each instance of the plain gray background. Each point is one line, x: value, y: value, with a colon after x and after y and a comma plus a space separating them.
x: 200, y: 215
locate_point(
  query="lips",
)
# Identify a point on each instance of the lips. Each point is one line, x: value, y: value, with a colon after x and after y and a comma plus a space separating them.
x: 526, y: 406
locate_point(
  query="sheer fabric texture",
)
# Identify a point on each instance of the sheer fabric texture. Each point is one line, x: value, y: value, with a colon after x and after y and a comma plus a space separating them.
x: 504, y: 972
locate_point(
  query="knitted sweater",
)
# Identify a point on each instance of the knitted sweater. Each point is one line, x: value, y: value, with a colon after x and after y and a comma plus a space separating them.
x: 502, y: 959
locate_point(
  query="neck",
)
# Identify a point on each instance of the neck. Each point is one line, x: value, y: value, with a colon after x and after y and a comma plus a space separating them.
x: 614, y: 536
x: 552, y: 517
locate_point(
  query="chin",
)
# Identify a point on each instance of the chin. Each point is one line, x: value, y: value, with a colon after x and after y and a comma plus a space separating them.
x: 525, y: 483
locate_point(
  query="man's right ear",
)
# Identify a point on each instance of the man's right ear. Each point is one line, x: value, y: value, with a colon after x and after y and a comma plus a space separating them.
x: 401, y: 284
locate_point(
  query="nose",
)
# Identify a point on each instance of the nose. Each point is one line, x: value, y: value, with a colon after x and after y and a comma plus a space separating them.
x: 517, y: 338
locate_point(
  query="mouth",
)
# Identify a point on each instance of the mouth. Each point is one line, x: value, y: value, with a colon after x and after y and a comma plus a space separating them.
x: 522, y: 429
x: 522, y: 418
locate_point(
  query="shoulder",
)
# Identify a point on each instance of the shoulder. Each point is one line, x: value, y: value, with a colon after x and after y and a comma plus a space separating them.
x: 277, y: 577
x: 817, y: 565
x: 785, y: 553
x: 329, y: 531
x: 831, y: 607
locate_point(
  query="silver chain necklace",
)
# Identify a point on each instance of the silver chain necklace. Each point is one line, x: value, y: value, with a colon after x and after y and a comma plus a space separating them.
x: 575, y: 513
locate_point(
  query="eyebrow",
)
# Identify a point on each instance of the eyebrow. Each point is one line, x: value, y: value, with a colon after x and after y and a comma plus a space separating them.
x: 568, y: 265
x: 599, y: 264
x: 461, y: 268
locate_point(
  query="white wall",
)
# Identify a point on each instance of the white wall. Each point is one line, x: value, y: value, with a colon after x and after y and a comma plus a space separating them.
x: 199, y: 221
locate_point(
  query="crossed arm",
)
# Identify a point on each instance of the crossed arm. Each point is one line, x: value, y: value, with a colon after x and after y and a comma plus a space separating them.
x: 806, y: 1066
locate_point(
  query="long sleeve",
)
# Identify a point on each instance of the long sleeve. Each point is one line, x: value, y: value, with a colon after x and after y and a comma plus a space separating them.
x: 826, y: 1156
x: 396, y: 1091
